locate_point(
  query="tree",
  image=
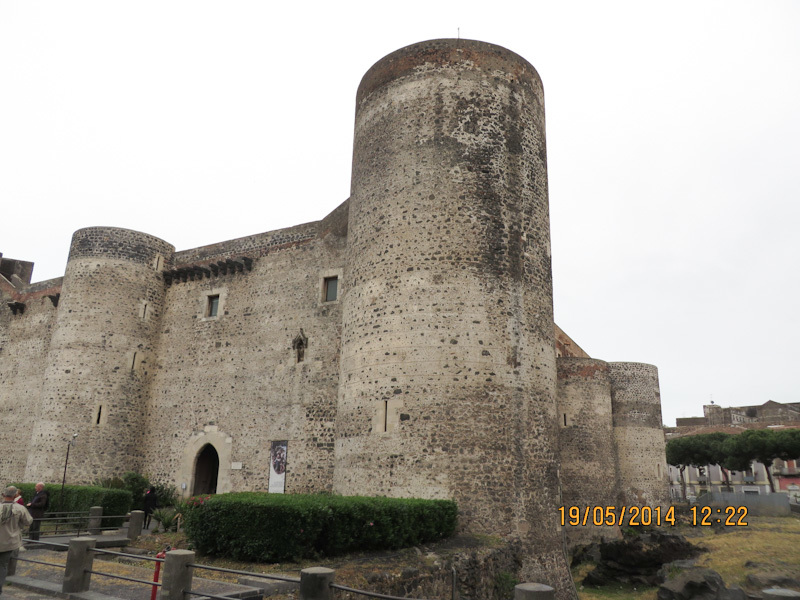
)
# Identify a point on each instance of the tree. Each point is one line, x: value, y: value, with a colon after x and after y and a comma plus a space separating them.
x: 714, y: 453
x: 762, y: 445
x: 734, y: 452
x: 697, y: 451
x: 678, y: 456
x: 788, y: 444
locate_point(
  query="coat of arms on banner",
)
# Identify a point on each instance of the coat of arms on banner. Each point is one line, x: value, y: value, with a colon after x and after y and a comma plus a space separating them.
x: 277, y: 467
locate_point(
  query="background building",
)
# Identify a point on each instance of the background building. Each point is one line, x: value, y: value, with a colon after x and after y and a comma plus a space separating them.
x: 734, y: 420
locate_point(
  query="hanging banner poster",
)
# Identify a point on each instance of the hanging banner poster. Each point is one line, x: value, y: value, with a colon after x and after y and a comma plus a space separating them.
x: 277, y: 467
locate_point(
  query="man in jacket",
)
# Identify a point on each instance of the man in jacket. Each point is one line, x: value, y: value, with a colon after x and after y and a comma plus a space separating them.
x: 13, y: 519
x: 37, y: 506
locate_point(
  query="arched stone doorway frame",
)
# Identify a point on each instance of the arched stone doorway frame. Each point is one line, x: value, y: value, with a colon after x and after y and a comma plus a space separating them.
x: 221, y: 442
x: 206, y: 471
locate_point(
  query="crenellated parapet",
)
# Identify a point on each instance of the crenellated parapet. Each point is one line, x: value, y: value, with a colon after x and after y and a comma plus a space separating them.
x: 208, y: 270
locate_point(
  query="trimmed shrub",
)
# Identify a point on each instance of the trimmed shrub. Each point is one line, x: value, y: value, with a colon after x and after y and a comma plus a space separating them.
x: 137, y: 485
x: 80, y: 498
x: 272, y: 527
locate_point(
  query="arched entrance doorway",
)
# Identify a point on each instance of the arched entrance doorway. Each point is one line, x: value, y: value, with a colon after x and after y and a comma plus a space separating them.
x: 206, y: 469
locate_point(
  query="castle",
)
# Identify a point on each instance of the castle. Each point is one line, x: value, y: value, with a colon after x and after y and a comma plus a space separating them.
x: 404, y: 345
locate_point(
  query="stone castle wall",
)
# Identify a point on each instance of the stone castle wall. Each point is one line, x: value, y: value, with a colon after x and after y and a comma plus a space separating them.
x: 234, y: 380
x: 24, y: 344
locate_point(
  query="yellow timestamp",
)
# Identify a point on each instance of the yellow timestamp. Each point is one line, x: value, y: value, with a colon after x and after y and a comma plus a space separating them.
x: 632, y: 516
x: 731, y: 516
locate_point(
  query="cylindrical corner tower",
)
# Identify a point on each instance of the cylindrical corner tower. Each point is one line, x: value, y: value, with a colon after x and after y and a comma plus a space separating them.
x: 638, y: 434
x: 588, y: 460
x: 100, y: 355
x: 447, y: 377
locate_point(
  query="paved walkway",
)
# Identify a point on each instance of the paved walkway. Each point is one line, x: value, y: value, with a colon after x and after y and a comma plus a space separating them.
x: 34, y: 580
x: 12, y: 592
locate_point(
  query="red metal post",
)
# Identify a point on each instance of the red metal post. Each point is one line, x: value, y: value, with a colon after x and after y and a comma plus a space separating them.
x: 162, y: 554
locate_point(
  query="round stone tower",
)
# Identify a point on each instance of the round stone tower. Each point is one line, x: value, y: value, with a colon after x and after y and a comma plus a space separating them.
x: 100, y: 356
x: 638, y: 434
x: 448, y: 374
x: 588, y: 460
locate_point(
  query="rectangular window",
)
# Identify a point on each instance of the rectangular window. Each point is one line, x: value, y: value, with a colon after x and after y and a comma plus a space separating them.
x: 331, y: 288
x: 213, y: 306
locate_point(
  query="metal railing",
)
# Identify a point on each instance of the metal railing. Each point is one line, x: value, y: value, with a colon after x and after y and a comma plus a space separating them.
x: 75, y: 523
x: 127, y: 556
x: 12, y: 565
x: 78, y: 567
x: 247, y: 573
x: 344, y: 588
x: 315, y: 583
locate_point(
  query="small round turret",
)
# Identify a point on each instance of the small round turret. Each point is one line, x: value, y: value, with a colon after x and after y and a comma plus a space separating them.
x: 100, y: 355
x: 638, y: 434
x: 586, y: 444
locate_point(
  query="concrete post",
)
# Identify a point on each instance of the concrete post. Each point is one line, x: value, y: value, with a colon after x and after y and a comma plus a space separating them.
x: 534, y: 591
x: 177, y: 574
x: 135, y: 524
x: 315, y: 583
x: 95, y: 520
x: 79, y: 561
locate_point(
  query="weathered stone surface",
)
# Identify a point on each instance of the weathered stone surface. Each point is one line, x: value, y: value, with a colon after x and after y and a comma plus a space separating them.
x: 638, y: 436
x: 765, y: 580
x: 699, y: 584
x: 638, y: 560
x: 586, y: 444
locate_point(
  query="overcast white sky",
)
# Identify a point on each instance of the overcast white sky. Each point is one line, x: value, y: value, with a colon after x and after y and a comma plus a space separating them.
x: 672, y: 130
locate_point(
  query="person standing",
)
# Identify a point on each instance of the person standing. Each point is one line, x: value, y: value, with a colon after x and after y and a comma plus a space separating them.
x: 37, y: 506
x: 13, y: 519
x: 18, y: 499
x: 150, y: 504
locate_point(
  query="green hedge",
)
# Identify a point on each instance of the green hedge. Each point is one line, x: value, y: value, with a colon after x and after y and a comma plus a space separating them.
x: 80, y: 498
x: 273, y: 527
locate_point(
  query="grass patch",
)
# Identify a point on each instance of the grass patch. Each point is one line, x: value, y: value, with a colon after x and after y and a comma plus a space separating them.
x: 767, y: 544
x: 611, y: 592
